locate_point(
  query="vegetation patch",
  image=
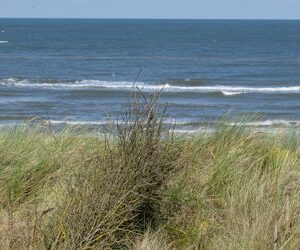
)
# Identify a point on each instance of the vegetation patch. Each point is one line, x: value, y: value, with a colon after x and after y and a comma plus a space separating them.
x: 142, y: 187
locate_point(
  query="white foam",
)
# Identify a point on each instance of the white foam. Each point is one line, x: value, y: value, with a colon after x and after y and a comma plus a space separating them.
x: 188, y: 131
x: 229, y: 93
x: 74, y: 122
x: 267, y: 126
x: 178, y: 121
x: 3, y: 41
x: 198, y: 130
x: 86, y: 123
x: 124, y: 85
x: 269, y: 123
x: 233, y: 90
x: 71, y: 85
x: 265, y: 123
x: 168, y: 121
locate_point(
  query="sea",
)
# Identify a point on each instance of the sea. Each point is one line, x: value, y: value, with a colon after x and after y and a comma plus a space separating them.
x: 82, y: 71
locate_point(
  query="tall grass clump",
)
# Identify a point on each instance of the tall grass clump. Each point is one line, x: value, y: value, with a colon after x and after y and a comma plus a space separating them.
x: 114, y: 197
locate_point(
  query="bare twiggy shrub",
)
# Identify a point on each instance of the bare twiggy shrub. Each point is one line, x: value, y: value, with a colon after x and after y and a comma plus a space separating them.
x: 114, y: 197
x: 140, y: 145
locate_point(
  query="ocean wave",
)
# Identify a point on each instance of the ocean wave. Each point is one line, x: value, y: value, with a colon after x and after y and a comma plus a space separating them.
x: 186, y: 121
x: 89, y: 84
x: 125, y: 85
x: 231, y: 93
x: 180, y: 121
x: 167, y: 121
x: 262, y: 126
x: 181, y: 125
x: 79, y: 123
x: 233, y: 90
x: 269, y: 123
x: 194, y: 131
x: 3, y: 41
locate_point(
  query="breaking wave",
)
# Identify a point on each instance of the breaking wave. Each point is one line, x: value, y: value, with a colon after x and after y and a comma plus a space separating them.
x: 124, y: 85
x: 270, y: 123
x: 170, y: 121
x: 173, y: 121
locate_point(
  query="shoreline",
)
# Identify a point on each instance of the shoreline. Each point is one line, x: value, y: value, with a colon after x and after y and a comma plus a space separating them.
x: 98, y: 127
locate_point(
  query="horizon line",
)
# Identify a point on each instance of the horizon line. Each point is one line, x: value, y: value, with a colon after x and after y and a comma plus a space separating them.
x: 160, y: 18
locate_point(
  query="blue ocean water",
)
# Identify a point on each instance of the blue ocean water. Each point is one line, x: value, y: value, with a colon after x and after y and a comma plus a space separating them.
x: 83, y: 70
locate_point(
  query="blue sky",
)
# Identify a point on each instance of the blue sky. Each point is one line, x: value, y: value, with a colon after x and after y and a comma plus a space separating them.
x: 232, y: 9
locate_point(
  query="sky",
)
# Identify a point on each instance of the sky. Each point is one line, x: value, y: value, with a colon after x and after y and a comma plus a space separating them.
x: 186, y: 9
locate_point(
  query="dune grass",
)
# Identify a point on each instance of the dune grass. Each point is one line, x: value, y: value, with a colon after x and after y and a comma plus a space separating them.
x: 144, y: 188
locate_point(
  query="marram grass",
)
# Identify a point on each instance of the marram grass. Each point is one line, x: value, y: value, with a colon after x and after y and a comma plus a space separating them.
x: 234, y: 188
